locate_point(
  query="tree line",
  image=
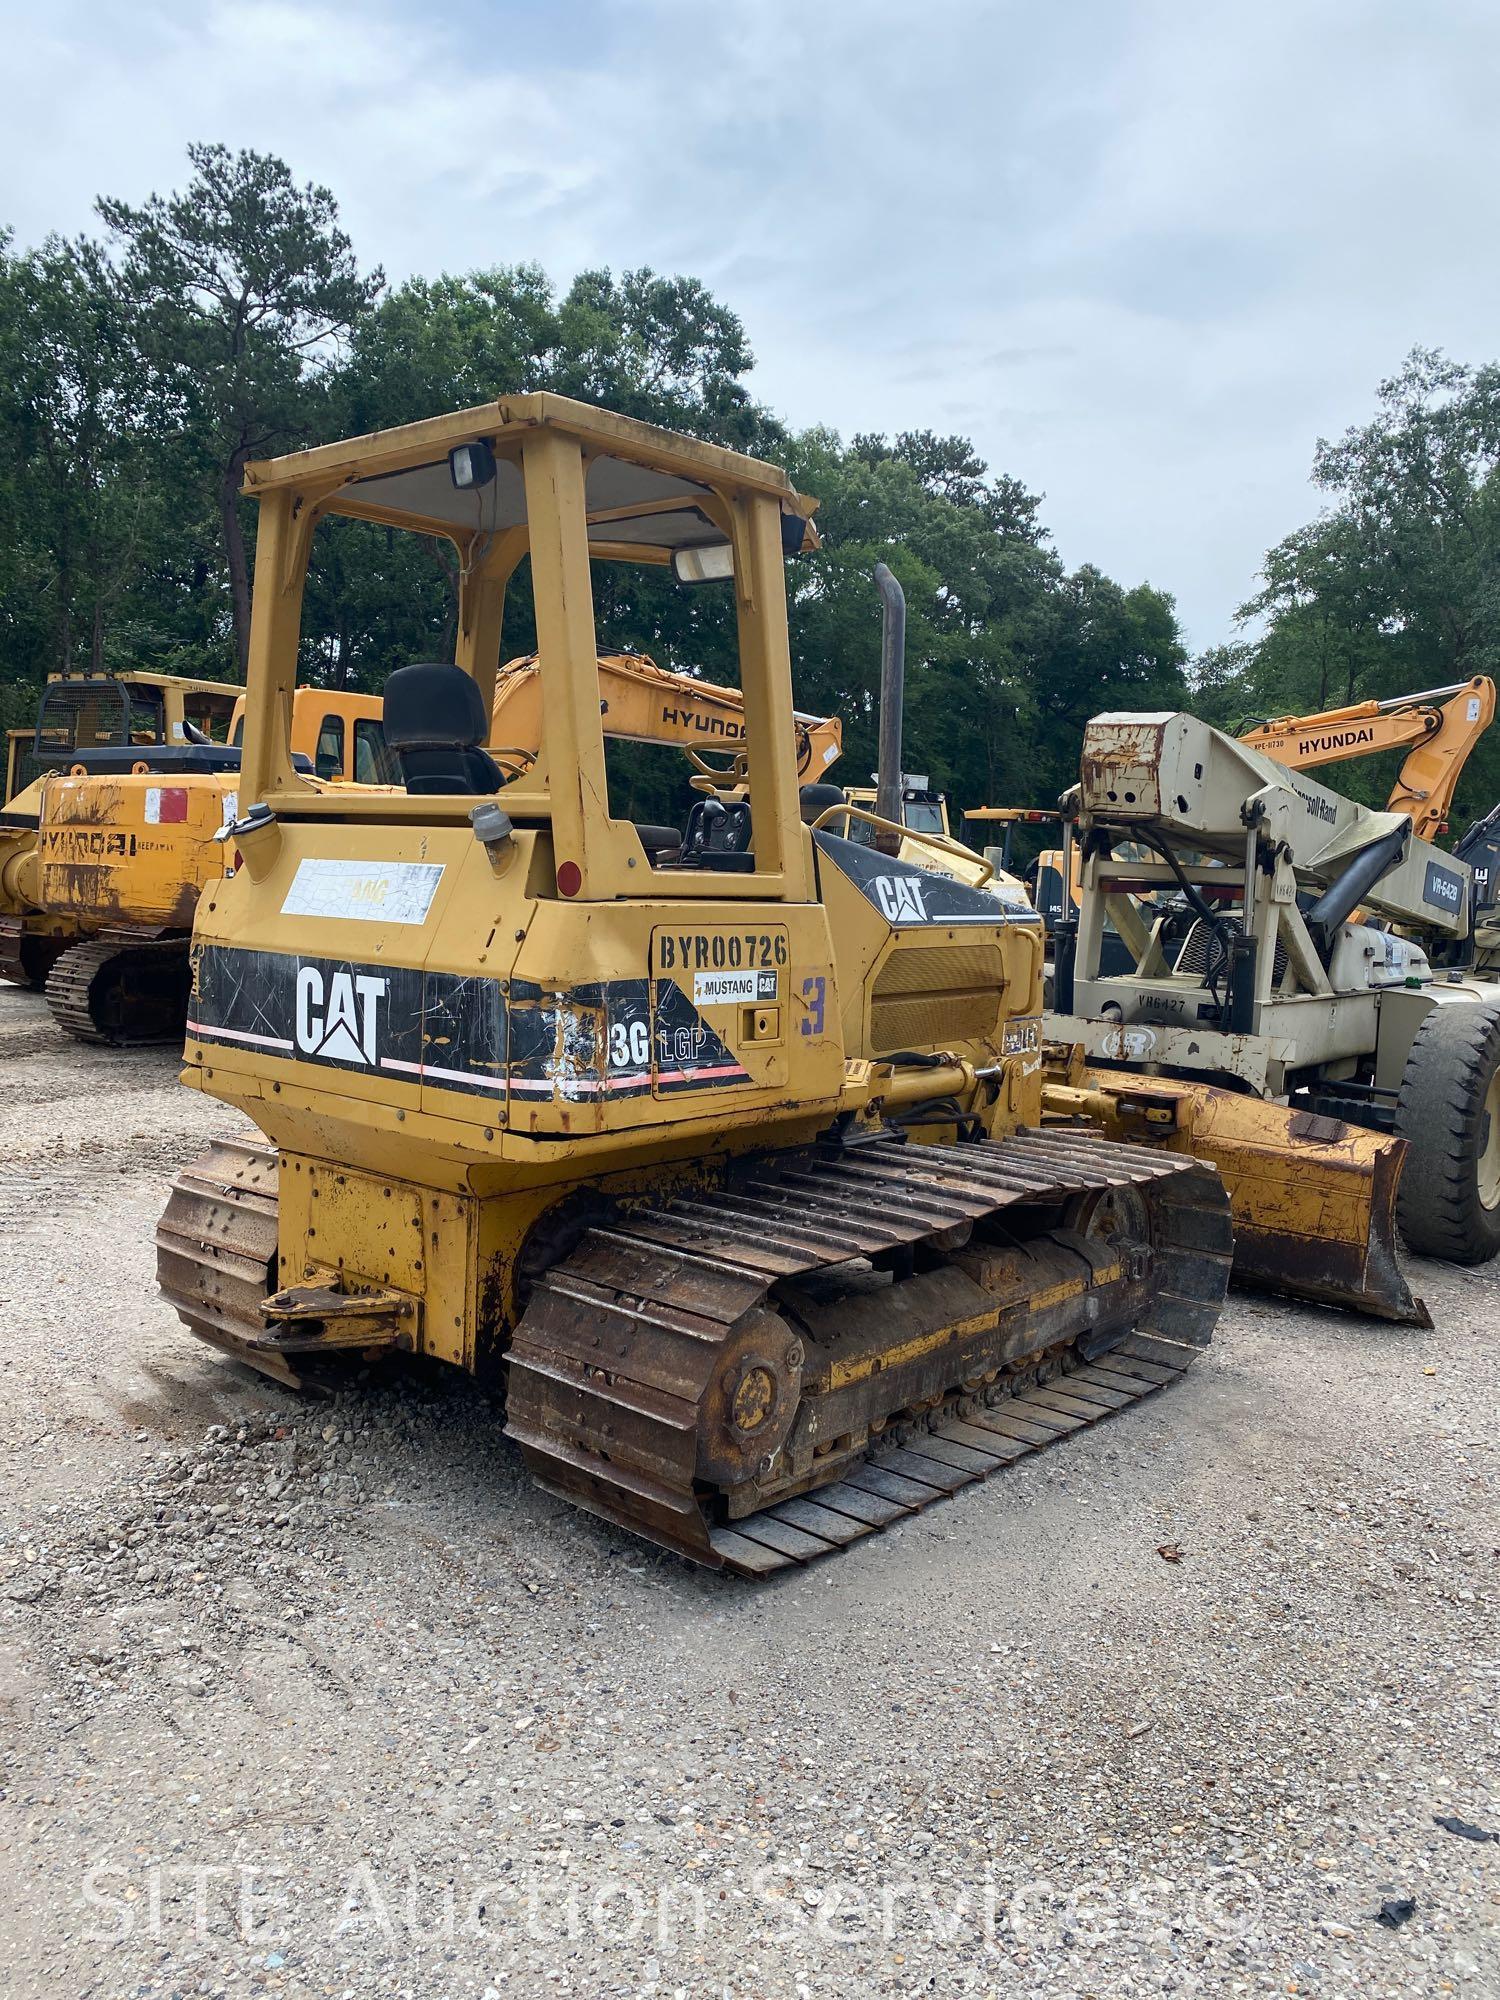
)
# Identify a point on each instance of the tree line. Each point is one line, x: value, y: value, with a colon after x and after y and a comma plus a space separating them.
x: 142, y: 366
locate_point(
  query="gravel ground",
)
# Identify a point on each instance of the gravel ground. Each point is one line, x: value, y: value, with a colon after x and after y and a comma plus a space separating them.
x: 323, y: 1699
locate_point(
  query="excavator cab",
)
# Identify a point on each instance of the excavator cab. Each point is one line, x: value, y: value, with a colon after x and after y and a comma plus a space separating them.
x: 80, y: 715
x: 721, y: 1154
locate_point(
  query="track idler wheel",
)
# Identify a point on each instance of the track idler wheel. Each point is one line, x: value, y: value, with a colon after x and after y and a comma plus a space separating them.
x: 748, y: 1408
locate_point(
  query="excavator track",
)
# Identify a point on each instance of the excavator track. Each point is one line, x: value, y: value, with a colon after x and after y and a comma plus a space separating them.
x: 25, y: 958
x: 757, y: 1375
x: 122, y: 988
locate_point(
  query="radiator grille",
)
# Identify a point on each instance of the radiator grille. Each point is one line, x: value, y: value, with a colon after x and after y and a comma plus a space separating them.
x: 1192, y: 959
x: 931, y: 996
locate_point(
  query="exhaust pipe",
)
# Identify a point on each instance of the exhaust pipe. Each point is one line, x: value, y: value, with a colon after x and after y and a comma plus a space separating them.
x: 892, y: 693
x: 1348, y: 890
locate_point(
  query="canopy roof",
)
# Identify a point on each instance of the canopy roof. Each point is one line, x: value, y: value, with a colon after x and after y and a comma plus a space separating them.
x: 645, y: 488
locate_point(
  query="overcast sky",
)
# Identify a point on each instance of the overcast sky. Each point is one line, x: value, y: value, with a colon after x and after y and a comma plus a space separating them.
x: 1143, y: 254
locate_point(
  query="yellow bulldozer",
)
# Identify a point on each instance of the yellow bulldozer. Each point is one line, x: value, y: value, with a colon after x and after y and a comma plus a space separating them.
x: 115, y: 860
x: 720, y: 1157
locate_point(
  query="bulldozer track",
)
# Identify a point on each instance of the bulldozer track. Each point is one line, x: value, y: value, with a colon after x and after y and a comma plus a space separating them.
x: 629, y: 1338
x: 626, y: 1341
x: 889, y: 1486
x: 122, y: 990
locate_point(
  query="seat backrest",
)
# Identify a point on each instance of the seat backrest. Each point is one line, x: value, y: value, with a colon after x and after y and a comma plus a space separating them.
x: 815, y: 799
x: 434, y: 724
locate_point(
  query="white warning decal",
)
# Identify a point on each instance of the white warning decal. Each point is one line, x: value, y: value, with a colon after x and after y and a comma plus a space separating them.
x: 371, y: 892
x: 721, y: 989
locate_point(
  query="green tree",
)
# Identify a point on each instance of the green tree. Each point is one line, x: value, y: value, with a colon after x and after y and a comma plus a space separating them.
x: 1108, y: 648
x: 79, y: 520
x: 662, y: 349
x: 1396, y: 587
x: 976, y: 571
x: 1418, y: 486
x: 242, y: 285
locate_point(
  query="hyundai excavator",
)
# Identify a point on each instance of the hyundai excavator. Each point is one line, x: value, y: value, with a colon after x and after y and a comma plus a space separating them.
x: 1441, y: 738
x: 1272, y: 965
x: 722, y: 1160
x: 80, y: 716
x: 92, y: 711
x: 644, y: 703
x: 1438, y: 728
x: 104, y: 854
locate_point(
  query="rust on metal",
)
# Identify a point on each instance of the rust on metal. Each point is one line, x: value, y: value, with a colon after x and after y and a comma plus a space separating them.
x: 759, y: 1372
x: 641, y: 1351
x: 1313, y: 1198
x: 1135, y: 749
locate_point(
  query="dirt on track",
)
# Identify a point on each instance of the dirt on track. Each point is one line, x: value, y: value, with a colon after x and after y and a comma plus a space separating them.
x: 323, y: 1698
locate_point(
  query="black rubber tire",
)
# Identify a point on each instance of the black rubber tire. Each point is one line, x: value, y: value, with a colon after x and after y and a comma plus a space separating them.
x: 1440, y: 1112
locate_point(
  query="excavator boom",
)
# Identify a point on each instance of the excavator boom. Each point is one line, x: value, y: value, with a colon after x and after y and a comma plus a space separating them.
x: 1438, y: 728
x: 640, y: 702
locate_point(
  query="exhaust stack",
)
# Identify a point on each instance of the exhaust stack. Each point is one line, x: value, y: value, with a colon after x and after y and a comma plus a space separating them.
x: 892, y: 693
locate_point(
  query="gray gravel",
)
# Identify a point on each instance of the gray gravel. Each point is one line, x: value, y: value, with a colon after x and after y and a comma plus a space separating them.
x: 324, y: 1699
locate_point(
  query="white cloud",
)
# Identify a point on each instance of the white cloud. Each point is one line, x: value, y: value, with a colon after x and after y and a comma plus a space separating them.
x: 1144, y: 255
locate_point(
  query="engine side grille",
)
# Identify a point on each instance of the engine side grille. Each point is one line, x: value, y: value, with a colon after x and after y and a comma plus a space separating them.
x: 1193, y: 957
x: 934, y: 995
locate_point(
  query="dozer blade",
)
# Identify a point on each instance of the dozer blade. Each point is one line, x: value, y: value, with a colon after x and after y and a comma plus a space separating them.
x: 1313, y: 1198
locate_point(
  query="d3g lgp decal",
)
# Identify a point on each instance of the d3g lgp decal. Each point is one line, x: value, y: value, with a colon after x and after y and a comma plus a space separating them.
x: 480, y: 1036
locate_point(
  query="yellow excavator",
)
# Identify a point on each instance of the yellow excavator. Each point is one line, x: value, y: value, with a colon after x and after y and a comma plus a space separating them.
x: 722, y: 1159
x: 88, y: 711
x: 128, y: 715
x: 641, y: 702
x: 104, y: 854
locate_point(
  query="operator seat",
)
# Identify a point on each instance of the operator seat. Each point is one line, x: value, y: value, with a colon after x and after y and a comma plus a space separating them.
x: 435, y: 724
x: 817, y: 798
